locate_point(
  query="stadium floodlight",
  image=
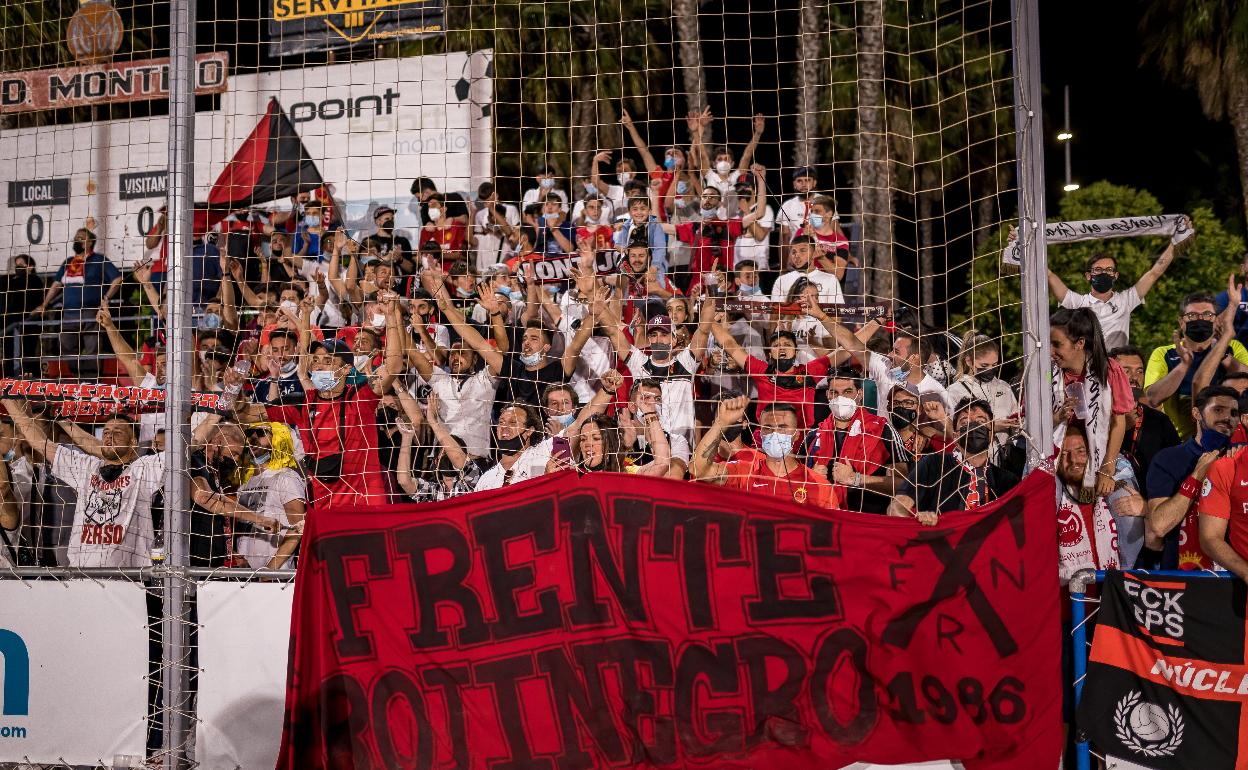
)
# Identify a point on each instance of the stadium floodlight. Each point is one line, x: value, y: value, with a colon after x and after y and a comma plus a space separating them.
x: 1065, y: 136
x: 1070, y: 186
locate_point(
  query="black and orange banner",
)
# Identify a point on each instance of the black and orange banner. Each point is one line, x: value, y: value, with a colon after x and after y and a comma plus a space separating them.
x: 615, y: 621
x: 1168, y: 673
x: 97, y: 401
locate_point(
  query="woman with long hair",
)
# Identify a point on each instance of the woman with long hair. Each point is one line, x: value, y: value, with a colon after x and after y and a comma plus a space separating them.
x: 979, y: 379
x: 1092, y: 388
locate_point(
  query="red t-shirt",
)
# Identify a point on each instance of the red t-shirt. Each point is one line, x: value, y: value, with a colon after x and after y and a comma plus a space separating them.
x: 1225, y: 496
x: 796, y: 386
x: 345, y: 425
x: 450, y: 239
x: 703, y: 258
x: 748, y: 471
x: 601, y: 235
x: 833, y: 244
x: 159, y: 265
x: 1119, y: 387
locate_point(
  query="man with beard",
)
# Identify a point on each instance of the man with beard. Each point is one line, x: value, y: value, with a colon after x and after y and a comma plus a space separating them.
x: 1175, y: 479
x: 963, y: 479
x: 115, y: 491
x: 392, y: 248
x: 1171, y: 370
x: 519, y: 452
x: 465, y: 391
x: 1086, y: 533
x: 1148, y: 430
x: 849, y: 447
x: 779, y: 379
x: 215, y: 516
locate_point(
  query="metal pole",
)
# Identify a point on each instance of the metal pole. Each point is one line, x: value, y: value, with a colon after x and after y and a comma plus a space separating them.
x: 1029, y: 140
x: 175, y: 621
x: 1066, y: 129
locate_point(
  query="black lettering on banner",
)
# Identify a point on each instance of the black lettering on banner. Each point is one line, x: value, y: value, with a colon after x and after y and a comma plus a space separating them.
x: 492, y: 531
x: 344, y: 722
x: 503, y: 676
x: 895, y: 578
x: 948, y: 628
x: 1006, y: 701
x: 901, y: 693
x: 334, y: 551
x: 451, y: 680
x: 392, y: 685
x: 584, y: 704
x: 971, y: 696
x: 773, y: 710
x: 34, y: 229
x: 431, y: 589
x: 588, y: 534
x: 630, y: 656
x: 957, y: 578
x: 147, y: 218
x: 844, y: 643
x: 941, y: 705
x: 771, y: 565
x: 693, y: 526
x: 725, y: 728
x: 995, y: 568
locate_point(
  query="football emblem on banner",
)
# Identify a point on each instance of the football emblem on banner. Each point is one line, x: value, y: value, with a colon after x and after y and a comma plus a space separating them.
x: 1147, y: 728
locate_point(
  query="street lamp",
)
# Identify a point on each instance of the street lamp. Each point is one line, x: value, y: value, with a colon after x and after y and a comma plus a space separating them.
x: 1065, y: 138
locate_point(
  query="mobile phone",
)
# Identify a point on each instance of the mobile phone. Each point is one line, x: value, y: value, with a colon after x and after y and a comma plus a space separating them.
x: 560, y: 448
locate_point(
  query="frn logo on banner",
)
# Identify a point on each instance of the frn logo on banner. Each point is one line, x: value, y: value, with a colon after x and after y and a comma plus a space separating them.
x: 15, y: 698
x: 612, y: 620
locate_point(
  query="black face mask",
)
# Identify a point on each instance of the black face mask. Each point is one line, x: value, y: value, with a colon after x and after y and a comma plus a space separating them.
x: 79, y: 247
x: 733, y: 432
x: 1137, y: 393
x: 387, y: 416
x: 445, y: 468
x: 1199, y: 331
x: 976, y: 439
x: 110, y: 472
x: 986, y: 376
x: 903, y: 417
x: 660, y: 350
x: 275, y: 251
x: 784, y: 364
x: 226, y: 466
x: 1102, y: 283
x: 510, y: 445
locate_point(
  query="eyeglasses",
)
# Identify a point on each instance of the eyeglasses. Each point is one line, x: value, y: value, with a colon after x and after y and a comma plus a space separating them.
x: 1208, y: 315
x: 1103, y: 271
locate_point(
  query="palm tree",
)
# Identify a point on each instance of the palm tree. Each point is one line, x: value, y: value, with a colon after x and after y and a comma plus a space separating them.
x: 810, y: 47
x: 872, y: 198
x: 1205, y: 43
x: 689, y: 43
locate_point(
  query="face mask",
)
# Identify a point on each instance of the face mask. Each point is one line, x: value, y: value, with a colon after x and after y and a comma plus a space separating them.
x: 660, y: 350
x: 681, y: 203
x: 682, y: 187
x: 226, y: 466
x: 275, y: 251
x: 463, y: 292
x: 9, y: 455
x: 843, y: 408
x: 708, y: 213
x: 323, y: 379
x: 669, y: 163
x: 747, y: 289
x: 505, y: 291
x: 784, y: 364
x: 361, y: 361
x: 511, y: 445
x: 210, y: 321
x: 289, y: 306
x: 378, y: 319
x: 566, y: 420
x: 903, y: 417
x: 311, y: 220
x: 435, y: 214
x: 722, y: 167
x: 816, y: 221
x: 385, y: 224
x: 1102, y: 283
x: 986, y: 376
x: 1199, y: 331
x: 898, y: 373
x: 551, y: 217
x: 777, y: 445
x: 552, y: 289
x: 1137, y: 393
x: 1211, y: 440
x: 590, y: 189
x: 976, y: 439
x: 79, y: 248
x: 623, y: 178
x: 733, y: 432
x: 289, y: 368
x: 548, y: 183
x: 531, y: 360
x: 260, y: 459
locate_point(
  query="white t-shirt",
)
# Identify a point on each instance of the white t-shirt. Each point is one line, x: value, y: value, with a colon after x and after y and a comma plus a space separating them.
x: 1114, y: 313
x: 793, y: 214
x: 676, y: 377
x: 829, y: 286
x: 878, y: 371
x: 112, y: 519
x: 150, y: 422
x: 748, y: 249
x: 21, y: 479
x: 467, y: 405
x: 493, y: 248
x: 538, y: 194
x: 267, y: 493
x: 530, y: 465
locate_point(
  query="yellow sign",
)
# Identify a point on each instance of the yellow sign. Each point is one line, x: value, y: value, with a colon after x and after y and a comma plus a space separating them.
x: 289, y: 10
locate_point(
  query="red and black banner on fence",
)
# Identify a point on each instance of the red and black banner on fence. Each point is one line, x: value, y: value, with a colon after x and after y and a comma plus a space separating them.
x: 1167, y: 679
x: 616, y: 621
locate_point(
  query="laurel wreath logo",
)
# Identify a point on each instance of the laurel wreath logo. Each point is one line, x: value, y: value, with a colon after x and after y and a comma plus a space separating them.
x: 1122, y: 728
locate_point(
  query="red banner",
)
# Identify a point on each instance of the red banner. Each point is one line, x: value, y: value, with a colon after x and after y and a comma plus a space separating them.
x: 618, y: 621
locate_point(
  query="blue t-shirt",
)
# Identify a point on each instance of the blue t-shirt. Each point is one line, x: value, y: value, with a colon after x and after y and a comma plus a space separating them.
x: 85, y: 279
x: 1241, y: 315
x: 1169, y: 468
x: 289, y: 391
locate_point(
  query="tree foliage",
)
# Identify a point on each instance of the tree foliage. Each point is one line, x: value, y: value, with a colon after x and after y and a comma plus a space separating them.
x: 994, y: 305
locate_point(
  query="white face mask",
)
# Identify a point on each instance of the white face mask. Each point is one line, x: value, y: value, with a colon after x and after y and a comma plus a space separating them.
x: 722, y: 167
x: 361, y: 361
x: 289, y: 306
x: 378, y: 319
x: 435, y: 214
x: 323, y: 379
x: 624, y: 178
x: 843, y: 408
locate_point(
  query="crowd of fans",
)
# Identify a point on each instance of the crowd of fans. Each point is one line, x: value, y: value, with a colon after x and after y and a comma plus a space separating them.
x: 657, y: 317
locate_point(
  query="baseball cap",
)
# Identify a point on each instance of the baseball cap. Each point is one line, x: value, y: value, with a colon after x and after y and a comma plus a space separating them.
x: 659, y: 322
x: 498, y: 268
x: 802, y: 171
x: 382, y: 210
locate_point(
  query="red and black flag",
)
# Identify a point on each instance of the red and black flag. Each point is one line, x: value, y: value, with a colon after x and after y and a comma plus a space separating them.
x: 1167, y: 678
x: 272, y: 163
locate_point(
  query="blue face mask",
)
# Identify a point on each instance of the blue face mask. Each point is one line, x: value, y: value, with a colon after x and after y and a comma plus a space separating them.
x: 589, y: 188
x: 897, y: 373
x: 210, y: 321
x: 682, y: 187
x: 463, y: 292
x: 708, y: 213
x: 261, y: 459
x: 816, y: 221
x: 552, y: 288
x: 548, y: 183
x: 505, y: 291
x: 311, y: 220
x: 323, y: 379
x: 1211, y: 440
x: 551, y: 217
x: 12, y: 453
x: 566, y: 420
x: 531, y: 360
x: 669, y: 163
x: 777, y: 445
x: 748, y: 289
